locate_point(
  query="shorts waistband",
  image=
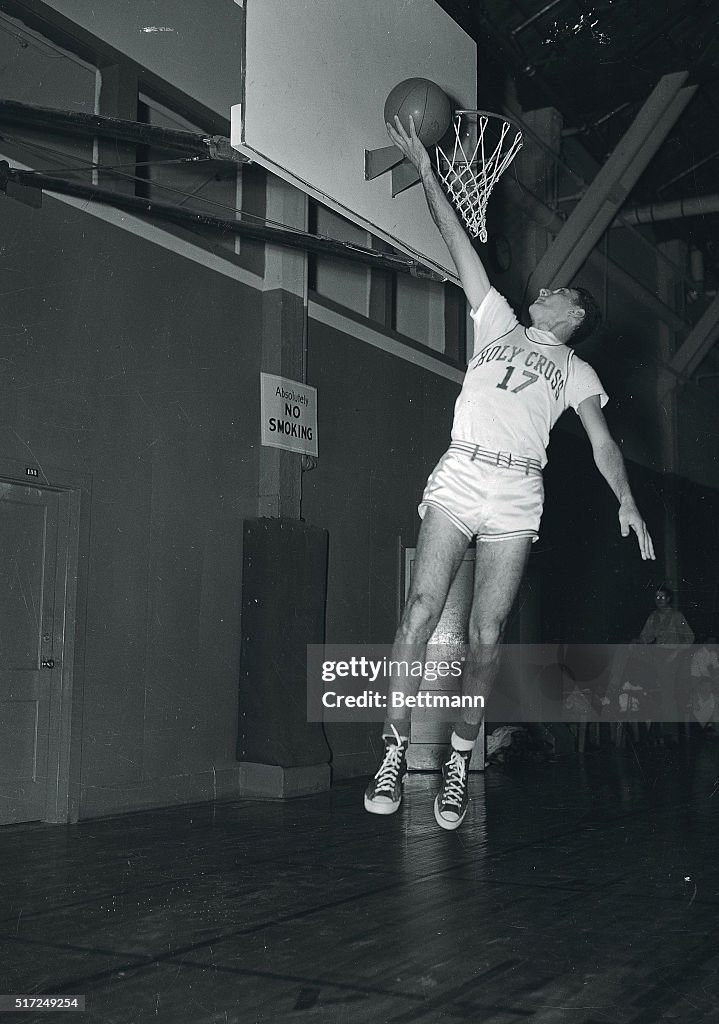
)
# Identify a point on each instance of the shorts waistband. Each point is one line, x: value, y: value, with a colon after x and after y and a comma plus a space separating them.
x: 504, y: 460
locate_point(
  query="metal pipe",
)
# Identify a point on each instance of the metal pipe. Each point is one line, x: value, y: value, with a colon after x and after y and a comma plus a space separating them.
x: 592, y: 125
x: 688, y: 170
x: 674, y: 209
x: 73, y: 122
x: 696, y: 263
x: 186, y: 218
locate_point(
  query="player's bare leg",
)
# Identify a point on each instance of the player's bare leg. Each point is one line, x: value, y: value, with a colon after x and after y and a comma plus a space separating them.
x: 440, y: 549
x: 499, y: 567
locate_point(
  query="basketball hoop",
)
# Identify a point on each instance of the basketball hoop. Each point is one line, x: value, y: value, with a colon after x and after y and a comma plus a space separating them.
x: 484, y: 146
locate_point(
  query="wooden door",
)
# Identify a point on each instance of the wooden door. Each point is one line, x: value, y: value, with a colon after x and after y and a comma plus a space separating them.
x: 30, y: 646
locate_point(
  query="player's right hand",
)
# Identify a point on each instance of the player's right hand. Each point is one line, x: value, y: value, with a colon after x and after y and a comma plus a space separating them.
x: 409, y: 144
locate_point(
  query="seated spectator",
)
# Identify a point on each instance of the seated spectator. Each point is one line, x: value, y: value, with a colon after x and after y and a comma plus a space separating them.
x: 669, y: 630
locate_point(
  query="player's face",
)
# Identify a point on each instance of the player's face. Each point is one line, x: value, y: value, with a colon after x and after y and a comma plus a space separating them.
x: 555, y: 308
x: 555, y: 302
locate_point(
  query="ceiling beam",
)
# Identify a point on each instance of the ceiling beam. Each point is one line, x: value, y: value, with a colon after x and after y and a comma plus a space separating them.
x: 524, y: 199
x: 608, y: 191
x: 698, y: 342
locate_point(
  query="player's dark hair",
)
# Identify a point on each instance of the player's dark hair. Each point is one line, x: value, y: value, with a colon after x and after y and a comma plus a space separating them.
x: 592, y: 316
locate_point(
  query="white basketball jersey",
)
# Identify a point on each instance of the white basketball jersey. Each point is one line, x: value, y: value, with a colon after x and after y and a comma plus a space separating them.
x: 518, y: 383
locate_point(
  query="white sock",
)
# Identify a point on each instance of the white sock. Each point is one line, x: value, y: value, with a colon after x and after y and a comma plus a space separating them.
x: 460, y: 744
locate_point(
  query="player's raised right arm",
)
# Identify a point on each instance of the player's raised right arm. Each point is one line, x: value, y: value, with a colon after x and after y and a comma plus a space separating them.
x: 469, y: 266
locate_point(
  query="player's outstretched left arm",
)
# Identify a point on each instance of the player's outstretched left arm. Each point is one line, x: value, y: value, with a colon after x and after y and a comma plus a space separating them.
x: 610, y: 464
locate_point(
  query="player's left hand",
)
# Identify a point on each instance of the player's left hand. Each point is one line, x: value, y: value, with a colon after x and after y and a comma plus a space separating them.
x: 629, y: 519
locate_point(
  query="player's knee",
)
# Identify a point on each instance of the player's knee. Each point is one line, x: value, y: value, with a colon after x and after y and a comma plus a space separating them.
x: 485, y: 634
x: 420, y: 617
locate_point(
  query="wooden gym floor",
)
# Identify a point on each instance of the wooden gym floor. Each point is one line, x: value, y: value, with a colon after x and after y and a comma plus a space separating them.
x: 586, y: 891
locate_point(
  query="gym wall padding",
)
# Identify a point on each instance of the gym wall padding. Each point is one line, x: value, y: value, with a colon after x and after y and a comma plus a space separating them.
x: 284, y: 590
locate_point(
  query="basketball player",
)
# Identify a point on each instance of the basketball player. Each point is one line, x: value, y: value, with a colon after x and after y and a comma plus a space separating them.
x: 488, y: 485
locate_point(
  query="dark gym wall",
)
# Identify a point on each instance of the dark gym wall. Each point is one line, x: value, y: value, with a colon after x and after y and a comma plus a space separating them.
x: 382, y: 422
x: 698, y: 542
x: 140, y: 368
x: 595, y: 587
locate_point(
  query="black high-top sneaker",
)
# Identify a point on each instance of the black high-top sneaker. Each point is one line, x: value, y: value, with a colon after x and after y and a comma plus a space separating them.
x: 452, y: 801
x: 384, y: 793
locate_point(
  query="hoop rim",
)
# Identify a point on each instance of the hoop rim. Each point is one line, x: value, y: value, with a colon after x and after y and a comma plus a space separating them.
x: 469, y: 180
x: 490, y: 113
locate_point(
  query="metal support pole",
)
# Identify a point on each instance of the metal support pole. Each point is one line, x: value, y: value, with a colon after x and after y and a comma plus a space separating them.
x: 699, y: 341
x: 245, y: 229
x: 72, y: 122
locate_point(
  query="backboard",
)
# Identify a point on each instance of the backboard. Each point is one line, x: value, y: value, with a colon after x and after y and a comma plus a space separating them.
x: 316, y: 74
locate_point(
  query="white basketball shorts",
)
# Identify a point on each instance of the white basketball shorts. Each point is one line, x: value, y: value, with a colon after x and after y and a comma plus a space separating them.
x: 488, y: 495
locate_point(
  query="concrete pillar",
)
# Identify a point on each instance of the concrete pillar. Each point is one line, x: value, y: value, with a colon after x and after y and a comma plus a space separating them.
x: 117, y: 97
x: 281, y: 754
x: 284, y: 338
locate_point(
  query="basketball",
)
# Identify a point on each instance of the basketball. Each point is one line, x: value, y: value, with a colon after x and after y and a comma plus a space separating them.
x: 428, y: 105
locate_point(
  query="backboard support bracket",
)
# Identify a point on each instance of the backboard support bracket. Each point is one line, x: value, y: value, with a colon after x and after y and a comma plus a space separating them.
x: 379, y: 161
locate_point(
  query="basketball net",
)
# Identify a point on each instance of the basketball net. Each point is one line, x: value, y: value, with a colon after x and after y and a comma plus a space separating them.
x: 484, y: 147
